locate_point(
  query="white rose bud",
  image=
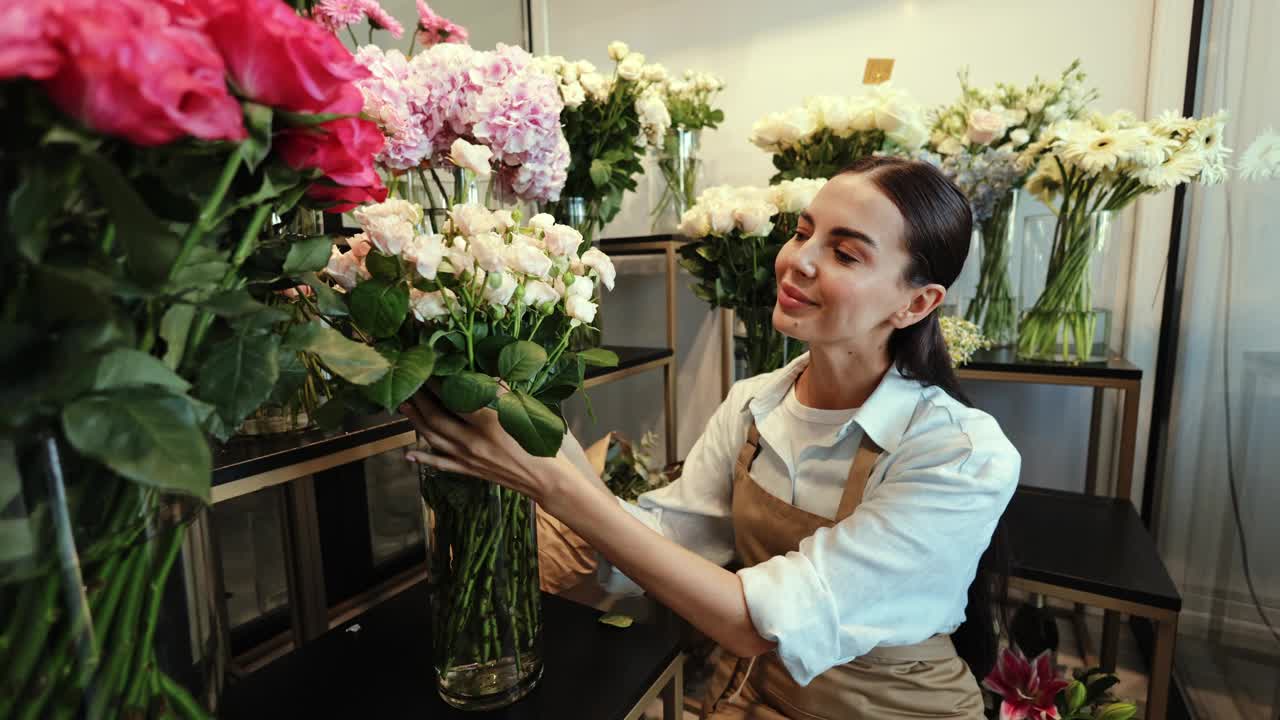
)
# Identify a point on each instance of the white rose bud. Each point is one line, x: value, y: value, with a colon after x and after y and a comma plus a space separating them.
x: 598, y: 261
x: 950, y: 146
x: 426, y: 252
x: 345, y: 269
x: 471, y: 157
x: 538, y: 293
x: 503, y: 220
x: 569, y: 72
x: 912, y: 135
x: 499, y: 288
x: 595, y: 85
x: 720, y: 216
x: 388, y: 233
x: 654, y: 73
x: 580, y: 309
x: 471, y: 220
x: 428, y: 306
x: 985, y: 126
x: 618, y: 50
x: 562, y: 240
x: 694, y: 224
x: 585, y: 66
x: 459, y: 259
x: 400, y: 208
x: 573, y: 94
x: 489, y: 251
x: 631, y: 67
x: 542, y: 221
x: 582, y: 287
x: 528, y: 259
x: 753, y: 220
x: 1020, y: 137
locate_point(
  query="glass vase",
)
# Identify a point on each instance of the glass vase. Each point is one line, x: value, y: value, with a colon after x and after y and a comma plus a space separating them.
x: 994, y: 307
x: 1061, y: 322
x: 108, y: 594
x: 435, y: 189
x: 678, y: 163
x: 482, y: 565
x: 578, y: 212
x: 760, y: 348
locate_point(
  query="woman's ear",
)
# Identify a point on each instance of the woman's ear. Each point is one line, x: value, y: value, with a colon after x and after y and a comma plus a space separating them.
x: 924, y: 300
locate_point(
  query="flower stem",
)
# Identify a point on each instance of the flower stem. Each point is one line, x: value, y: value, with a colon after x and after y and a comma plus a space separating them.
x: 204, y: 221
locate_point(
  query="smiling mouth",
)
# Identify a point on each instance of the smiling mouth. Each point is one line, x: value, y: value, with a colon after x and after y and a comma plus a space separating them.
x: 792, y: 299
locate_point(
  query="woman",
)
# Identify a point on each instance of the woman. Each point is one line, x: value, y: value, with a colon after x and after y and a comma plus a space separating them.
x: 855, y: 486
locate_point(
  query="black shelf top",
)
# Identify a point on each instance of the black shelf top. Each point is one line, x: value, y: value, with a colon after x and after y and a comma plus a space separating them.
x: 606, y: 243
x: 1004, y: 360
x: 1087, y: 543
x: 247, y: 455
x: 629, y: 356
x: 379, y: 666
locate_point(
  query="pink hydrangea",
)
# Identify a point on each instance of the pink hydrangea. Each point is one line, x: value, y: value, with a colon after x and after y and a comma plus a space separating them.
x: 434, y: 29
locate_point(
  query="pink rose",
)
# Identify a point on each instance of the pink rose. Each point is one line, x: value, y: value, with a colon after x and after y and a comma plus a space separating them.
x: 985, y: 126
x: 280, y: 59
x: 124, y: 68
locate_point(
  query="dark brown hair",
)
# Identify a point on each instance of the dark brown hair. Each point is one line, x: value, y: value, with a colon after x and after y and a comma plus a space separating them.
x: 939, y: 225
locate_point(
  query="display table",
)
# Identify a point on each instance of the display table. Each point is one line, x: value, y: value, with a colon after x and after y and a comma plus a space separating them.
x: 378, y: 665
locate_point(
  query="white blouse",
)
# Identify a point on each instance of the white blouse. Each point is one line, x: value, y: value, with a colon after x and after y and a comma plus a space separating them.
x: 896, y: 571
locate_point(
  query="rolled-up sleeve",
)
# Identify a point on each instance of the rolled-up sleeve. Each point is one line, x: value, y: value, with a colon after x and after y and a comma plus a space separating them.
x: 898, y: 569
x: 695, y: 510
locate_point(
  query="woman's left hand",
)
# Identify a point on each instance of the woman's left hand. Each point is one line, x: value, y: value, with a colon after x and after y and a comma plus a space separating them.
x: 475, y: 444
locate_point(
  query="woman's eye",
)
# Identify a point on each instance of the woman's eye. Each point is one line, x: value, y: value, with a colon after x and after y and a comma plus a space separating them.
x: 799, y: 237
x: 845, y: 258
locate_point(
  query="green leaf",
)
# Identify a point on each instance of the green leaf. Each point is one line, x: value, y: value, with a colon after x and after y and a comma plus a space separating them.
x: 532, y: 424
x: 204, y: 266
x: 31, y: 207
x: 409, y: 370
x: 18, y: 538
x: 521, y: 361
x: 467, y: 392
x: 450, y: 365
x: 238, y: 375
x: 328, y: 300
x: 379, y: 307
x: 556, y: 394
x: 308, y: 255
x: 487, y: 351
x: 600, y: 172
x: 356, y: 362
x: 148, y: 436
x: 175, y: 325
x: 599, y: 357
x: 258, y: 145
x: 291, y: 377
x: 10, y: 480
x: 233, y: 303
x: 151, y: 248
x: 454, y: 337
x: 299, y: 119
x: 125, y: 367
x: 382, y: 266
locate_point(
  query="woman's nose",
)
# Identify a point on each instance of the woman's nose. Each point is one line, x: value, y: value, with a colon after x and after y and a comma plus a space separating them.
x: 806, y: 260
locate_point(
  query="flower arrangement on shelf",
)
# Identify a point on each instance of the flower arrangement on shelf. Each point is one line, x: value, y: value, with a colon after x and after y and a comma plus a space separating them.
x: 136, y: 326
x: 1093, y: 168
x: 829, y: 132
x: 486, y: 307
x: 689, y: 102
x: 629, y: 468
x: 1032, y: 690
x: 609, y: 121
x: 963, y: 339
x: 737, y: 233
x: 976, y: 141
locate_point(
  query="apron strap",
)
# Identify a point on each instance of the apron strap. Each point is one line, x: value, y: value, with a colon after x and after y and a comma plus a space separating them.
x: 863, y: 461
x: 751, y: 448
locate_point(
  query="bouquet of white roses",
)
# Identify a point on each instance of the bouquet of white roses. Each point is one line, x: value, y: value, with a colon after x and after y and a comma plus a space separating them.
x: 976, y: 141
x: 486, y: 306
x: 1094, y: 167
x: 608, y: 121
x: 737, y: 234
x: 828, y: 133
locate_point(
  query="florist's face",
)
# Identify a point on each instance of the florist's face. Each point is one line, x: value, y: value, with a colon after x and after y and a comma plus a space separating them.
x: 841, y: 276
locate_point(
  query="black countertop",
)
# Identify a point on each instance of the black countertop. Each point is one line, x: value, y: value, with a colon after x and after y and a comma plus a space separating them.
x: 379, y: 666
x: 1004, y: 360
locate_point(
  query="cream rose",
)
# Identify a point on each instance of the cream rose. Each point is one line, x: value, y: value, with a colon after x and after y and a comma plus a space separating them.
x: 489, y: 251
x: 426, y: 252
x: 471, y: 157
x: 471, y: 220
x: 542, y: 221
x: 499, y: 288
x: 428, y: 306
x: 562, y: 240
x: 580, y: 309
x: 528, y: 259
x: 598, y: 261
x: 618, y: 50
x: 345, y: 269
x: 538, y: 293
x: 984, y: 126
x: 631, y: 67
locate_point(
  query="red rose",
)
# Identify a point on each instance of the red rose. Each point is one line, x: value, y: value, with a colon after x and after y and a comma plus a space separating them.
x: 278, y: 58
x: 124, y: 69
x: 342, y: 149
x: 26, y: 47
x: 346, y: 198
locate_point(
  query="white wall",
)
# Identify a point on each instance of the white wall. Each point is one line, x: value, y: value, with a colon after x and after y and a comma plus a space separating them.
x: 775, y: 54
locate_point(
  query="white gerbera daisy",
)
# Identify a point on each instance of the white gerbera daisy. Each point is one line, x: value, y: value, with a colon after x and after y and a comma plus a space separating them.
x: 1094, y: 151
x: 1046, y: 182
x: 1146, y: 149
x: 1182, y: 167
x: 1208, y: 136
x: 1172, y: 125
x: 1261, y: 161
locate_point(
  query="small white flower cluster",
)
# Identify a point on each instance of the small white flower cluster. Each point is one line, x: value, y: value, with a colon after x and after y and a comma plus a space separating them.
x: 1007, y: 116
x: 963, y: 339
x: 482, y: 260
x: 694, y: 84
x: 1118, y: 148
x: 883, y: 108
x: 580, y: 82
x: 748, y: 211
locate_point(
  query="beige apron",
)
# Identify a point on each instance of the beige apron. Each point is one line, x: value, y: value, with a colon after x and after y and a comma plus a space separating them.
x: 925, y: 680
